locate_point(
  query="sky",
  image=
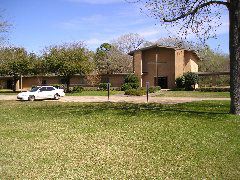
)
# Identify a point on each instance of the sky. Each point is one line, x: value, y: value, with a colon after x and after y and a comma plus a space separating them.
x: 37, y: 24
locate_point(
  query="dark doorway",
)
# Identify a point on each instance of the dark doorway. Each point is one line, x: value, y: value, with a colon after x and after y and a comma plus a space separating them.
x: 162, y: 82
x: 9, y: 84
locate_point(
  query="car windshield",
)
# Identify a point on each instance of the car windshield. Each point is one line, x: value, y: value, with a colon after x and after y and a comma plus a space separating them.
x: 34, y: 89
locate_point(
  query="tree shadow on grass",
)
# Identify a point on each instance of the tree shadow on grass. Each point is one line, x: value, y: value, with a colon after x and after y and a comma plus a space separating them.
x: 185, y: 109
x: 208, y: 109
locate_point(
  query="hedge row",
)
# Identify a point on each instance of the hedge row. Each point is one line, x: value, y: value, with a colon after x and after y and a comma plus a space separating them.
x: 214, y: 89
x: 135, y: 92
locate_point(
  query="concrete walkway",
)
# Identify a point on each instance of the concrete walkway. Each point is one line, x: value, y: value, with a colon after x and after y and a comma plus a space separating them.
x: 123, y: 98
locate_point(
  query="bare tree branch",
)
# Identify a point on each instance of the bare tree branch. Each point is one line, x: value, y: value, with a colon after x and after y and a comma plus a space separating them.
x: 194, y: 11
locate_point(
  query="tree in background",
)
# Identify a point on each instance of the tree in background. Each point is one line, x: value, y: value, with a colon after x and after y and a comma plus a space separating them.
x: 93, y: 79
x: 202, y: 18
x: 101, y: 59
x: 15, y: 62
x: 109, y: 60
x: 68, y: 60
x: 38, y: 68
x: 4, y: 28
x: 213, y: 61
x: 177, y: 42
x: 129, y: 42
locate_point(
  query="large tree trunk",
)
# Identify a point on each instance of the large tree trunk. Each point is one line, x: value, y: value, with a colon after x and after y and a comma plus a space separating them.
x: 68, y: 78
x: 14, y: 85
x: 234, y: 46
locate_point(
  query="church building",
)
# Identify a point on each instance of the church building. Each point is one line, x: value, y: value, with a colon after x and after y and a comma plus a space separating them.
x: 161, y: 65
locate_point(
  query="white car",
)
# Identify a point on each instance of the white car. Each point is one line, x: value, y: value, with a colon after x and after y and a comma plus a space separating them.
x: 41, y: 92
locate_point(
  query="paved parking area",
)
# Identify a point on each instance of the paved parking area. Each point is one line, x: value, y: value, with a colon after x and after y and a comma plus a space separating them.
x: 122, y: 98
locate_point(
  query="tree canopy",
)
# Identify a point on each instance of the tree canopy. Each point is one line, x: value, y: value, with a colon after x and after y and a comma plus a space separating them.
x: 15, y: 61
x: 4, y: 28
x: 109, y: 59
x: 129, y: 42
x: 67, y: 60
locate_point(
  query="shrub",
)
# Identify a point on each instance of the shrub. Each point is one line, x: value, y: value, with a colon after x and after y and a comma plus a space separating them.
x: 77, y: 89
x: 154, y: 89
x: 90, y: 88
x: 115, y: 89
x: 131, y: 81
x: 135, y: 92
x: 214, y: 89
x: 103, y: 86
x: 190, y: 80
x: 131, y: 78
x: 178, y: 89
x: 127, y: 86
x: 180, y: 82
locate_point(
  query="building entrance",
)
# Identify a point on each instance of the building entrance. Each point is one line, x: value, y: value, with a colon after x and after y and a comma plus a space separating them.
x: 162, y: 82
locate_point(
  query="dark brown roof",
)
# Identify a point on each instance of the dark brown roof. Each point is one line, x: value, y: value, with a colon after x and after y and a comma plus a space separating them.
x: 160, y: 46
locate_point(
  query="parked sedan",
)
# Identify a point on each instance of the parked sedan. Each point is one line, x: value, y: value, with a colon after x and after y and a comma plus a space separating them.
x: 41, y: 92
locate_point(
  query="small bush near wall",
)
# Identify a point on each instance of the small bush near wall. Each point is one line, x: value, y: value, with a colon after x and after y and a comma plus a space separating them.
x: 131, y: 78
x: 180, y: 82
x: 188, y: 81
x: 127, y: 86
x: 103, y: 86
x: 221, y: 81
x: 131, y: 81
x: 135, y: 92
x: 77, y: 89
x: 91, y: 88
x: 154, y: 89
x: 214, y: 89
x: 178, y: 89
x: 191, y: 79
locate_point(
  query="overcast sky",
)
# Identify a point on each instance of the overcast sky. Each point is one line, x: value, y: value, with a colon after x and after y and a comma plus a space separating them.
x: 40, y: 23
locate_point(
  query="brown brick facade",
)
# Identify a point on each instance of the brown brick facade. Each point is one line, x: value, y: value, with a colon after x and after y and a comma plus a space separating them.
x: 160, y: 65
x: 116, y: 80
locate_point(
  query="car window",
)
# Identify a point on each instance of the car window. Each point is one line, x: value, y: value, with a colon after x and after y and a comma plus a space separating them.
x: 43, y: 89
x: 34, y: 89
x: 50, y: 89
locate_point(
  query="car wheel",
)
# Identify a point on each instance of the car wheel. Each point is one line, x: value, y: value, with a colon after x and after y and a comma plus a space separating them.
x: 31, y: 98
x: 56, y: 96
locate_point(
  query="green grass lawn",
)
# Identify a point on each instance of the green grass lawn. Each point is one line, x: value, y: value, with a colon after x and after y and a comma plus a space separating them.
x: 94, y: 93
x: 193, y: 94
x: 50, y: 140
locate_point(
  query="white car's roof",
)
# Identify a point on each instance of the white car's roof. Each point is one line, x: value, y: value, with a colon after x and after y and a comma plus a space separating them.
x: 45, y: 86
